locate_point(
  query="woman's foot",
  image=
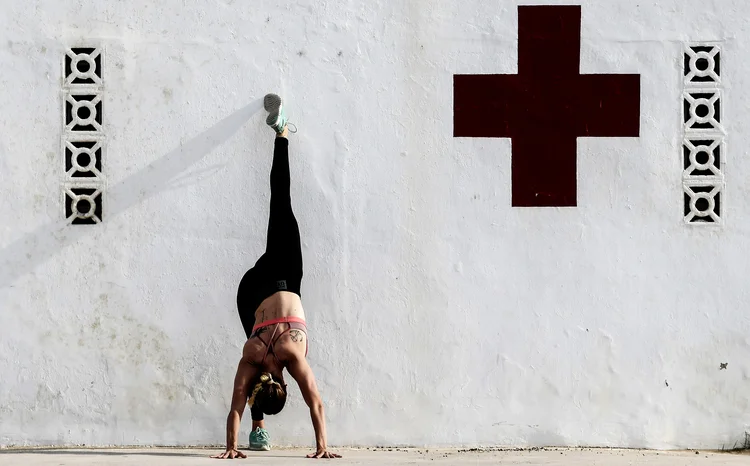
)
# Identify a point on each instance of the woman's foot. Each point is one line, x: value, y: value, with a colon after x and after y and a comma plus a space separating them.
x: 276, y: 115
x: 259, y: 440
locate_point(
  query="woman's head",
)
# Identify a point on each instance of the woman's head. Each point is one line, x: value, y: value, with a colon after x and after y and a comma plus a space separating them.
x: 268, y: 395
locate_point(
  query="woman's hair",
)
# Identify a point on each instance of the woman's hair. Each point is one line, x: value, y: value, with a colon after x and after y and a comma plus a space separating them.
x: 268, y: 395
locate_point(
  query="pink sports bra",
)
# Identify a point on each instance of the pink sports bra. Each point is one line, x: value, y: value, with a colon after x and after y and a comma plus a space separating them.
x: 295, y: 323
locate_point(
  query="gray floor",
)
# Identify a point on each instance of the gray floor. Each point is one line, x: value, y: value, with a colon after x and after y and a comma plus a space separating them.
x: 188, y: 457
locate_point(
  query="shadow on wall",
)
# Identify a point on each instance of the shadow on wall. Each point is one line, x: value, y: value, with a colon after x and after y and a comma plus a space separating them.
x: 24, y: 254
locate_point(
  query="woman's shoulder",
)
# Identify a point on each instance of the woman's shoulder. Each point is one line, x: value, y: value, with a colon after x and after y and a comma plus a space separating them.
x: 251, y: 348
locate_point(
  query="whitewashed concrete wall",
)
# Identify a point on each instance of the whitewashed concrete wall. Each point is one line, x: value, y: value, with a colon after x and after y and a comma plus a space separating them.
x: 438, y: 314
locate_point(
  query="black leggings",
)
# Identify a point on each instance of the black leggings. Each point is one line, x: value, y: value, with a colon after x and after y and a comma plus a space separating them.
x: 280, y: 267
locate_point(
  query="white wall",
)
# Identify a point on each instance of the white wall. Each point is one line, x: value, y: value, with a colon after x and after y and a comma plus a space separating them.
x: 438, y: 313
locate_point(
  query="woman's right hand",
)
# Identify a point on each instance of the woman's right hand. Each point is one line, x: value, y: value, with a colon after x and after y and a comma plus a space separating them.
x: 323, y: 453
x: 230, y: 454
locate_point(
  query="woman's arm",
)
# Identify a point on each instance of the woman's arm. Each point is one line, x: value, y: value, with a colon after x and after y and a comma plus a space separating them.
x: 245, y: 373
x: 300, y: 370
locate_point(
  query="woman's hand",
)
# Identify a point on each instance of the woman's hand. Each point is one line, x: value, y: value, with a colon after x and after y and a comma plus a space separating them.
x: 230, y: 454
x: 322, y: 453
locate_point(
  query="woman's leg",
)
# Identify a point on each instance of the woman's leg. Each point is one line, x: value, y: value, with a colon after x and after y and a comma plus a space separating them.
x: 280, y: 267
x: 283, y: 250
x: 248, y: 296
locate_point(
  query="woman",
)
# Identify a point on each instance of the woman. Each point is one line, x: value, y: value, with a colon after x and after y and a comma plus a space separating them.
x: 270, y: 308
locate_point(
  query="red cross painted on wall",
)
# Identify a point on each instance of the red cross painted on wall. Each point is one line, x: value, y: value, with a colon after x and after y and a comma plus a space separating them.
x: 546, y: 106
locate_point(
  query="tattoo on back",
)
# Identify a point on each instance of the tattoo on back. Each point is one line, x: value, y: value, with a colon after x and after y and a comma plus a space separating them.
x: 296, y: 335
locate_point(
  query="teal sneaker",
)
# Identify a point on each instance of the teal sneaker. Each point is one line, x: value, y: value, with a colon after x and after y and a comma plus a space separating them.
x: 259, y: 440
x: 276, y: 115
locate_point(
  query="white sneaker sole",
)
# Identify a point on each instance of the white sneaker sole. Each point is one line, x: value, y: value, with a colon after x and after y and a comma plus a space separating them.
x: 272, y: 104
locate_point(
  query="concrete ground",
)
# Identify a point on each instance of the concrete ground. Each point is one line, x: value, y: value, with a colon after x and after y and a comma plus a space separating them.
x: 394, y: 456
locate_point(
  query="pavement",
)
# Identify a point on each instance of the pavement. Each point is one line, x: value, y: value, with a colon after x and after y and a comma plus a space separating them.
x: 374, y: 456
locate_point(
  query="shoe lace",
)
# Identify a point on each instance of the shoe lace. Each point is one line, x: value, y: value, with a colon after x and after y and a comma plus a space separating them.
x: 290, y: 126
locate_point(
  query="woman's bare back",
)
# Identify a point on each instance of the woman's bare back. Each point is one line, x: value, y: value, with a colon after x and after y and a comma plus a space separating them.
x: 278, y: 305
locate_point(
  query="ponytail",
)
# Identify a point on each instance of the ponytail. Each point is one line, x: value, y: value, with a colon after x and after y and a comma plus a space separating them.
x: 265, y: 379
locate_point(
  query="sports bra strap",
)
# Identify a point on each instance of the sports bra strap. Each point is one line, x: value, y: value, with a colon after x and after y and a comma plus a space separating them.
x: 281, y: 320
x: 294, y: 325
x: 270, y: 343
